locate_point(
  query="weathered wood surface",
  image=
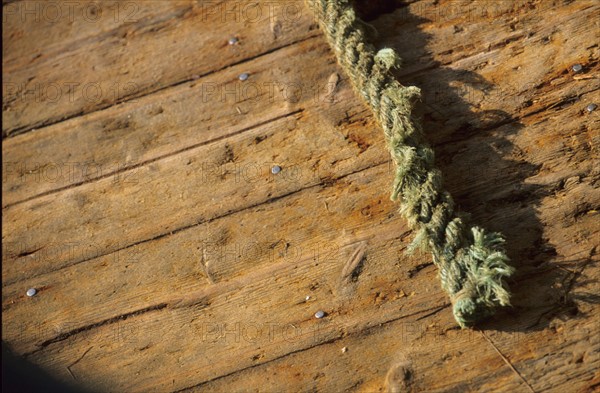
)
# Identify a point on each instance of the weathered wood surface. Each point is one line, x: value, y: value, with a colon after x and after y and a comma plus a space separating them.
x: 107, y: 61
x: 168, y: 254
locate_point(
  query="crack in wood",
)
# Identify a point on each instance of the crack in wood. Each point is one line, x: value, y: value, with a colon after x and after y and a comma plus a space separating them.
x: 507, y: 361
x: 437, y: 310
x: 353, y: 266
x: 109, y: 321
x: 77, y: 361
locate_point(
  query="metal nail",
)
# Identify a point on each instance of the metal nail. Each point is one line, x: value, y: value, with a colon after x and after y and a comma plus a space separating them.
x: 577, y: 67
x: 31, y: 292
x: 233, y: 41
x: 319, y: 314
x: 591, y: 107
x: 275, y: 170
x: 244, y: 76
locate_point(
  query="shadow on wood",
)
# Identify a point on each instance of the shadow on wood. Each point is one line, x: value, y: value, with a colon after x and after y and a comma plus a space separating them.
x: 506, y: 202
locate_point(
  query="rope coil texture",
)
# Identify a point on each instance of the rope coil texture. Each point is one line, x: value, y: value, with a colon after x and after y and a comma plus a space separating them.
x: 472, y: 263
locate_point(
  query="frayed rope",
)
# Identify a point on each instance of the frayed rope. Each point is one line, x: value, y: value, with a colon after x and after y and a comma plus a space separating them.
x: 472, y: 263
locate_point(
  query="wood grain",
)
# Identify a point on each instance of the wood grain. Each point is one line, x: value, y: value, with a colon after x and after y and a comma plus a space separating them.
x: 133, y: 59
x: 168, y: 256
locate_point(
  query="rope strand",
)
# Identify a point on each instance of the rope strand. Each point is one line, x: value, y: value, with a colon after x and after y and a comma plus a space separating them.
x: 472, y: 263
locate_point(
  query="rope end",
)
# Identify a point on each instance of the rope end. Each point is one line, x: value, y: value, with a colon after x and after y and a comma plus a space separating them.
x: 485, y: 266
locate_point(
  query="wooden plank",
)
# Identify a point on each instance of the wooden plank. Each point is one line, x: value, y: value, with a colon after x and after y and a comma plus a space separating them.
x: 184, y: 334
x: 22, y: 260
x: 173, y: 120
x: 96, y: 73
x: 168, y: 311
x: 177, y: 259
x: 551, y: 155
x: 218, y: 251
x: 236, y: 170
x: 35, y: 29
x: 231, y: 159
x: 437, y: 358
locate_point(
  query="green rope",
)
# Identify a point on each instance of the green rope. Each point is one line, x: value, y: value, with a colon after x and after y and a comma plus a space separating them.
x: 472, y: 263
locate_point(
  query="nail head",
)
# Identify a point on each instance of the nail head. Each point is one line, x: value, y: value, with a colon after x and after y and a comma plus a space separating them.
x: 31, y: 292
x: 591, y: 107
x: 319, y: 314
x: 275, y: 170
x: 577, y: 67
x: 233, y: 41
x: 244, y: 76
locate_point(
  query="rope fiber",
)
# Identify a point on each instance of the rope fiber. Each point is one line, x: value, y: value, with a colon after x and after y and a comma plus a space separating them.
x: 472, y: 262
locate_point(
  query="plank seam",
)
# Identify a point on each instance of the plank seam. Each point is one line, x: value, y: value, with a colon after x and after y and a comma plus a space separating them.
x: 152, y: 160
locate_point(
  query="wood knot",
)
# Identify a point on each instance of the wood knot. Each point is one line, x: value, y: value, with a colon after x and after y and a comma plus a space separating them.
x: 399, y: 377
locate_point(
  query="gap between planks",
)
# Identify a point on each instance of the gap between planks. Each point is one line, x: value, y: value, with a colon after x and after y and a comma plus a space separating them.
x: 155, y: 159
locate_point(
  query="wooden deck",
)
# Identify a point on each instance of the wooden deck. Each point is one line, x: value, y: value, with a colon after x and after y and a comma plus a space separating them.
x: 138, y: 197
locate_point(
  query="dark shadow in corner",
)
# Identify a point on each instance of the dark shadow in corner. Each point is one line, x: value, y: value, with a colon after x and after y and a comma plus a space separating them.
x: 21, y: 376
x: 483, y: 170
